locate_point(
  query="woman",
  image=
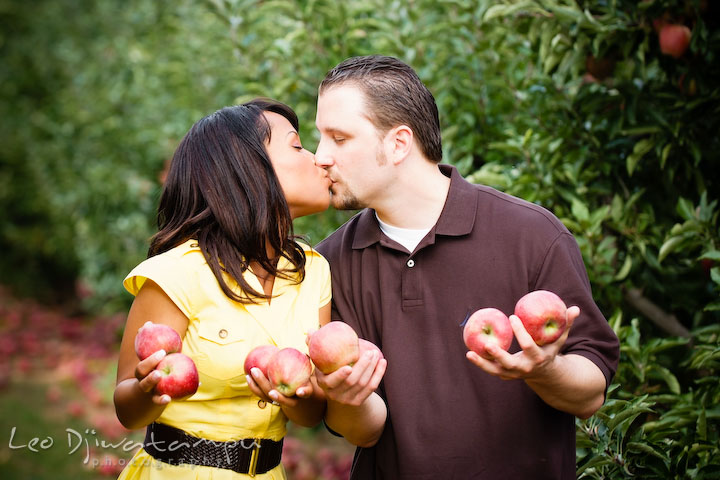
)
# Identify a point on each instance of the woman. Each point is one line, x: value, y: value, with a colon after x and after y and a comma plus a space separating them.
x: 225, y: 271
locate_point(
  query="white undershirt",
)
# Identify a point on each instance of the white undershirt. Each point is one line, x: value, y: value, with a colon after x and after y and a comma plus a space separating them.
x: 407, y: 237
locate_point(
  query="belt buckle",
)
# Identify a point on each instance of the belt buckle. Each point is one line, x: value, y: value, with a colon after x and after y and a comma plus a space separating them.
x: 254, y: 457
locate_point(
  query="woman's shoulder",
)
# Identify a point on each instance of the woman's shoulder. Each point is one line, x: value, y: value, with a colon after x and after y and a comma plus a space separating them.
x: 186, y: 254
x: 314, y: 258
x: 168, y: 268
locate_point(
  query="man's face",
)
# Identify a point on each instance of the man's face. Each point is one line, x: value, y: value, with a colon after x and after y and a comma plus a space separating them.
x: 350, y: 149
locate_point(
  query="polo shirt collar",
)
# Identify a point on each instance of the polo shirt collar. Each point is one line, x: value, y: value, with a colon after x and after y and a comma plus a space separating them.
x: 460, y: 210
x: 457, y: 217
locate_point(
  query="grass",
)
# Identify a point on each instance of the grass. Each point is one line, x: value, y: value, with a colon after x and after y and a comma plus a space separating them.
x: 27, y: 410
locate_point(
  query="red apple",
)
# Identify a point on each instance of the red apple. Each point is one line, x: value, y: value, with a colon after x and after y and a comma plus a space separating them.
x: 674, y: 40
x: 179, y: 376
x: 287, y: 370
x: 366, y: 345
x: 152, y: 337
x: 487, y: 326
x: 543, y: 314
x: 259, y: 357
x: 334, y: 346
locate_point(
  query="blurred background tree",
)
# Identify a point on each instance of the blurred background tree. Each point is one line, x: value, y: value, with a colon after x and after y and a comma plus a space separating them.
x: 572, y: 104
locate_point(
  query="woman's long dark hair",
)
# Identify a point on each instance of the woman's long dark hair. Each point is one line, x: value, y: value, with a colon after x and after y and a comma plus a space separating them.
x: 221, y: 190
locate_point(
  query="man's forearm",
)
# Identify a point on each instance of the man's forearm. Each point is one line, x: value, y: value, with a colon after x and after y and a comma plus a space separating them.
x: 572, y: 383
x: 360, y: 425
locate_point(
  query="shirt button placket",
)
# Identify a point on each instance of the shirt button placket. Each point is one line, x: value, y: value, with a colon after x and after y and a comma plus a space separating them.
x: 411, y: 285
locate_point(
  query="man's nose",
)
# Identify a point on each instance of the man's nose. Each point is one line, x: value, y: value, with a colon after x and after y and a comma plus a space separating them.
x: 322, y: 157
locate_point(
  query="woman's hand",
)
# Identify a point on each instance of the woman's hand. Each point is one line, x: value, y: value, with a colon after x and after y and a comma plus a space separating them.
x: 148, y: 377
x: 136, y: 403
x: 261, y: 386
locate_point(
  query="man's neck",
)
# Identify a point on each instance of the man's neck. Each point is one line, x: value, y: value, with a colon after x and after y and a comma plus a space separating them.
x: 417, y: 199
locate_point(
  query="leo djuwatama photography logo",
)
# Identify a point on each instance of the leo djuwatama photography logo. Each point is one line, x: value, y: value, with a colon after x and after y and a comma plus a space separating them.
x: 86, y: 444
x: 82, y: 443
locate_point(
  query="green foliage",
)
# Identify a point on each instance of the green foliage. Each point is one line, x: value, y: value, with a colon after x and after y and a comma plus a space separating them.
x: 94, y: 104
x: 627, y: 159
x: 662, y: 420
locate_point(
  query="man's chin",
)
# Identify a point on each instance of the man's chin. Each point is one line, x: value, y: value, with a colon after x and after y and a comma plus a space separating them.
x: 344, y: 203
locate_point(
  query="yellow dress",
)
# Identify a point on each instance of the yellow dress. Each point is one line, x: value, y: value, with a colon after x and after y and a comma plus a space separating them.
x: 219, y: 336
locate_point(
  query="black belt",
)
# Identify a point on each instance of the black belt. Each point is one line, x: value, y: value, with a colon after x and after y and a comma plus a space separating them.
x: 249, y: 455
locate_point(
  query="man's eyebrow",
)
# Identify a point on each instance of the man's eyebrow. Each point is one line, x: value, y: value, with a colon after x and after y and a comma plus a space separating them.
x: 333, y: 130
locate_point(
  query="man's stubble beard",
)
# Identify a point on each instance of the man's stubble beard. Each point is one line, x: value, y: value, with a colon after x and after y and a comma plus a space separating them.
x: 348, y: 201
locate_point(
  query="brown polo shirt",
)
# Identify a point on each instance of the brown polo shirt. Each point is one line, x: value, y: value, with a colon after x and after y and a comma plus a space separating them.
x: 447, y: 419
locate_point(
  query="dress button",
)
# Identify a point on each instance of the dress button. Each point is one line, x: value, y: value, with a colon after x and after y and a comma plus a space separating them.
x: 411, y: 263
x: 222, y: 333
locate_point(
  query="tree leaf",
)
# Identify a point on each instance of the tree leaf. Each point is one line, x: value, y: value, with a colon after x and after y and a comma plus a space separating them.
x: 701, y: 427
x: 711, y: 255
x: 668, y: 377
x: 624, y: 270
x: 627, y: 416
x: 686, y: 209
x: 715, y: 274
x: 669, y: 246
x: 580, y: 210
x: 639, y: 151
x: 647, y: 449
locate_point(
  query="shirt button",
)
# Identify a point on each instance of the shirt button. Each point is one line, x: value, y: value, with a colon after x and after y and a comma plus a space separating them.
x: 411, y: 263
x: 222, y: 333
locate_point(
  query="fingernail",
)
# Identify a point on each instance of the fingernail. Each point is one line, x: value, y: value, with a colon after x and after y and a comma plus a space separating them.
x: 255, y: 372
x: 273, y: 394
x: 156, y: 375
x: 159, y: 354
x: 247, y: 377
x: 165, y: 399
x: 300, y: 392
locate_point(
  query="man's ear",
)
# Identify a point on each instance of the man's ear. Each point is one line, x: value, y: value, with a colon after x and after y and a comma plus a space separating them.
x: 399, y: 143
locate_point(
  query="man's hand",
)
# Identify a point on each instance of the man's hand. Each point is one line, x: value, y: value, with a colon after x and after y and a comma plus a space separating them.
x: 531, y: 361
x: 570, y: 383
x: 354, y: 409
x: 353, y: 385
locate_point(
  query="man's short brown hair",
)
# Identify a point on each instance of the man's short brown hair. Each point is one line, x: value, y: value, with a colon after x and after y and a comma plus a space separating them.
x: 395, y: 95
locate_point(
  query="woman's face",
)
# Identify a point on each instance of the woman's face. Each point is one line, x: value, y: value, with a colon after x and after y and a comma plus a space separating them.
x: 306, y: 186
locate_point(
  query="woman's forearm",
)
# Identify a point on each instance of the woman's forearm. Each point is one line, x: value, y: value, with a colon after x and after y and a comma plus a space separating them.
x: 134, y: 407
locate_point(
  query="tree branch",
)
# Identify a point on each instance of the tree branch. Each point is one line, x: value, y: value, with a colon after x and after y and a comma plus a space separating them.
x: 667, y: 322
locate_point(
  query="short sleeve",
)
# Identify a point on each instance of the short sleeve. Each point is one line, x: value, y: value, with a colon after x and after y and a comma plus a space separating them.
x: 170, y: 275
x: 563, y: 272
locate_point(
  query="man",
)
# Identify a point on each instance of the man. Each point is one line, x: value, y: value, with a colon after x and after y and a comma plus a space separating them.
x: 428, y: 249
